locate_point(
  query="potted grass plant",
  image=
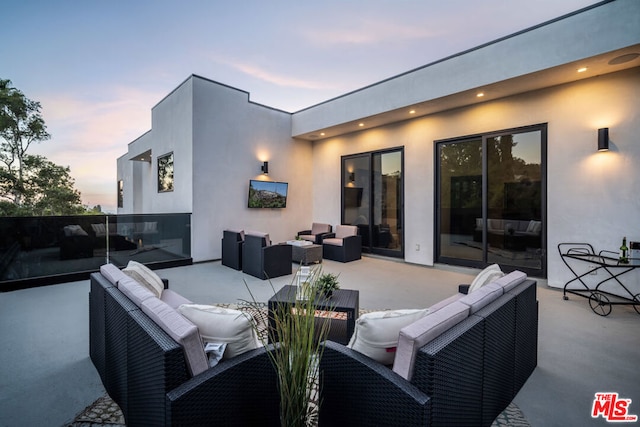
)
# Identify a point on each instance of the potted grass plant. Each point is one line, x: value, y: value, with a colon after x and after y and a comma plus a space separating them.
x: 297, y: 335
x: 327, y: 283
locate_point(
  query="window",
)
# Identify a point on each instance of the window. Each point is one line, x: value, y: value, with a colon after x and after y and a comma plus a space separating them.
x: 490, y: 200
x: 120, y: 193
x: 372, y: 199
x: 165, y: 173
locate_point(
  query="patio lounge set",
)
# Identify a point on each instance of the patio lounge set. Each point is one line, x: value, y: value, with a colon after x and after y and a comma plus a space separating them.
x: 255, y: 254
x: 458, y: 362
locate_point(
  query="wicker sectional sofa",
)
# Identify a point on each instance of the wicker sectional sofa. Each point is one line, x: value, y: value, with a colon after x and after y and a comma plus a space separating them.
x: 157, y: 373
x: 461, y: 364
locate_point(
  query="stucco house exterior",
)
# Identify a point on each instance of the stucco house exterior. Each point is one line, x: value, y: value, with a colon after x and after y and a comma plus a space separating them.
x: 379, y: 156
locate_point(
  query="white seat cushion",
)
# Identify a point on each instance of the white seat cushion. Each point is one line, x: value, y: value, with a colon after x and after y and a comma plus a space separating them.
x: 332, y: 241
x: 223, y: 325
x: 376, y: 334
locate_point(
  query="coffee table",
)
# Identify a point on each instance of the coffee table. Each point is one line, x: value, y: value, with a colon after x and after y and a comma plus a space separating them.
x: 304, y: 252
x: 342, y: 308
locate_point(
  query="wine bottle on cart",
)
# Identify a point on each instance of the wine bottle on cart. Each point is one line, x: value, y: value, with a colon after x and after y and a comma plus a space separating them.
x: 624, y: 259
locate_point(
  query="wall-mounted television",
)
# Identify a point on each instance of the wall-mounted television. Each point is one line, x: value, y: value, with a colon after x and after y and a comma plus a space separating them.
x: 267, y: 194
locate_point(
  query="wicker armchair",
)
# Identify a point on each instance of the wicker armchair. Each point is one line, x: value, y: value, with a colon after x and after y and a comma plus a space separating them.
x: 465, y: 376
x: 145, y: 372
x: 344, y: 245
x: 263, y: 260
x: 232, y: 242
x: 317, y: 232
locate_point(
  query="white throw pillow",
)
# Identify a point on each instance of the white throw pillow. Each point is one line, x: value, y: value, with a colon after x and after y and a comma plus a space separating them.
x: 376, y: 334
x: 218, y: 325
x: 145, y: 276
x: 486, y: 276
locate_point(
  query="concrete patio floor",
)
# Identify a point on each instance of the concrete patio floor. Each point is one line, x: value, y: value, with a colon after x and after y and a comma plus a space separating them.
x: 47, y: 378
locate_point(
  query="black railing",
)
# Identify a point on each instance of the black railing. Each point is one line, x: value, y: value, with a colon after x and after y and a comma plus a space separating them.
x: 36, y: 251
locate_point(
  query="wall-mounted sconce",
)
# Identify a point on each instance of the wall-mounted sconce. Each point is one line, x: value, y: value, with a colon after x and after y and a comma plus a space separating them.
x: 603, y: 139
x: 265, y: 168
x: 352, y: 177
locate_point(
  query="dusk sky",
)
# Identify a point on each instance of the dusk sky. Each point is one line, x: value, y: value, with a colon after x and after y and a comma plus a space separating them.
x: 98, y: 67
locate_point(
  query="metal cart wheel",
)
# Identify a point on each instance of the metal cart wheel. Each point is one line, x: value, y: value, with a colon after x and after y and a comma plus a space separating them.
x: 600, y: 304
x: 636, y: 305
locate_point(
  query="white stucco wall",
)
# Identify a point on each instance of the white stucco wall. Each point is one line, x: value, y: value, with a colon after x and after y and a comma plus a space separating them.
x: 592, y: 196
x: 231, y: 139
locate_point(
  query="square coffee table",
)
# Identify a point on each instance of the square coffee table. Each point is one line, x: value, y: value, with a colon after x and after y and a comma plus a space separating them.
x: 304, y: 252
x: 343, y: 308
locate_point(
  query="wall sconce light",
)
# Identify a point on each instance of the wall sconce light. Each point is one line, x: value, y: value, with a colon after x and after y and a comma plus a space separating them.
x: 265, y: 168
x: 352, y: 177
x: 603, y: 139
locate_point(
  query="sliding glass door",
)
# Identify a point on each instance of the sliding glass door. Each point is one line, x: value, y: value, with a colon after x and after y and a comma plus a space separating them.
x: 490, y: 200
x: 373, y: 199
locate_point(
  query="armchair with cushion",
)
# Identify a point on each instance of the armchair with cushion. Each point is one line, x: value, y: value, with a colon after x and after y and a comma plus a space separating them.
x: 316, y: 234
x: 344, y: 245
x: 460, y: 364
x: 263, y: 260
x: 232, y: 242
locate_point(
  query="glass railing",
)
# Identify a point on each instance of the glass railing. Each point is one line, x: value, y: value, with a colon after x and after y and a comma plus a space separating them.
x: 36, y: 251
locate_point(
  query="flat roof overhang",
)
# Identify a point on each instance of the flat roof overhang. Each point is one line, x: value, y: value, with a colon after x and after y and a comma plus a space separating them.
x: 540, y: 57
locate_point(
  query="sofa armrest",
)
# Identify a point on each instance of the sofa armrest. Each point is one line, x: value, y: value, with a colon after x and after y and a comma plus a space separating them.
x: 221, y: 396
x: 303, y: 232
x: 329, y: 235
x: 356, y: 390
x: 463, y: 289
x: 166, y: 283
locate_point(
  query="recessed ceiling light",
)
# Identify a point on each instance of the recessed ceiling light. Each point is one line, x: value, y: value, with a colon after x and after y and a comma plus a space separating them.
x: 360, y: 124
x: 412, y: 112
x: 480, y: 94
x: 321, y: 133
x: 582, y: 69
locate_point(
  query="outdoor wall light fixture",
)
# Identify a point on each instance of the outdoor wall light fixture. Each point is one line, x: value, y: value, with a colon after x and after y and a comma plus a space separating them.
x: 352, y: 177
x: 603, y: 139
x: 265, y: 168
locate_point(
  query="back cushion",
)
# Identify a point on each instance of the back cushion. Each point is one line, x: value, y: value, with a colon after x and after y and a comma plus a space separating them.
x: 317, y: 228
x: 181, y: 330
x: 421, y: 332
x: 376, y: 334
x: 343, y: 231
x: 145, y: 276
x: 488, y: 275
x: 222, y: 325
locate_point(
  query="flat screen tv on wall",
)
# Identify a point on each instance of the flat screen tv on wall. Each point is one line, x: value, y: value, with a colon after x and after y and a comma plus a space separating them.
x: 267, y: 194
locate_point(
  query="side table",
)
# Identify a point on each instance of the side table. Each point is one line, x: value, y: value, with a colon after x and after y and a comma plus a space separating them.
x: 343, y: 308
x: 305, y: 253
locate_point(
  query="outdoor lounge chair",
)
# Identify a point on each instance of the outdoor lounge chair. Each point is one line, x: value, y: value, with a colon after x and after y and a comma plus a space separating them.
x: 316, y: 234
x: 232, y: 242
x: 263, y: 260
x: 344, y: 245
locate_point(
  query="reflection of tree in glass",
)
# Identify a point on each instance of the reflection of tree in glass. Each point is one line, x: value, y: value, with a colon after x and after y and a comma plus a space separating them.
x: 165, y: 173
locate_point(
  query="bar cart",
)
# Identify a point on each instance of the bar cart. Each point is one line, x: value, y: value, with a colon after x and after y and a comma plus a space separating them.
x: 600, y: 301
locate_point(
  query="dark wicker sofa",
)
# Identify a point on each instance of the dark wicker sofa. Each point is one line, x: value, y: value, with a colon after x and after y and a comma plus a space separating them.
x: 466, y: 376
x: 145, y: 371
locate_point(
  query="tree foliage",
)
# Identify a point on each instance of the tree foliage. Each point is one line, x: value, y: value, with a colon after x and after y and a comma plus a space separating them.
x: 30, y: 185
